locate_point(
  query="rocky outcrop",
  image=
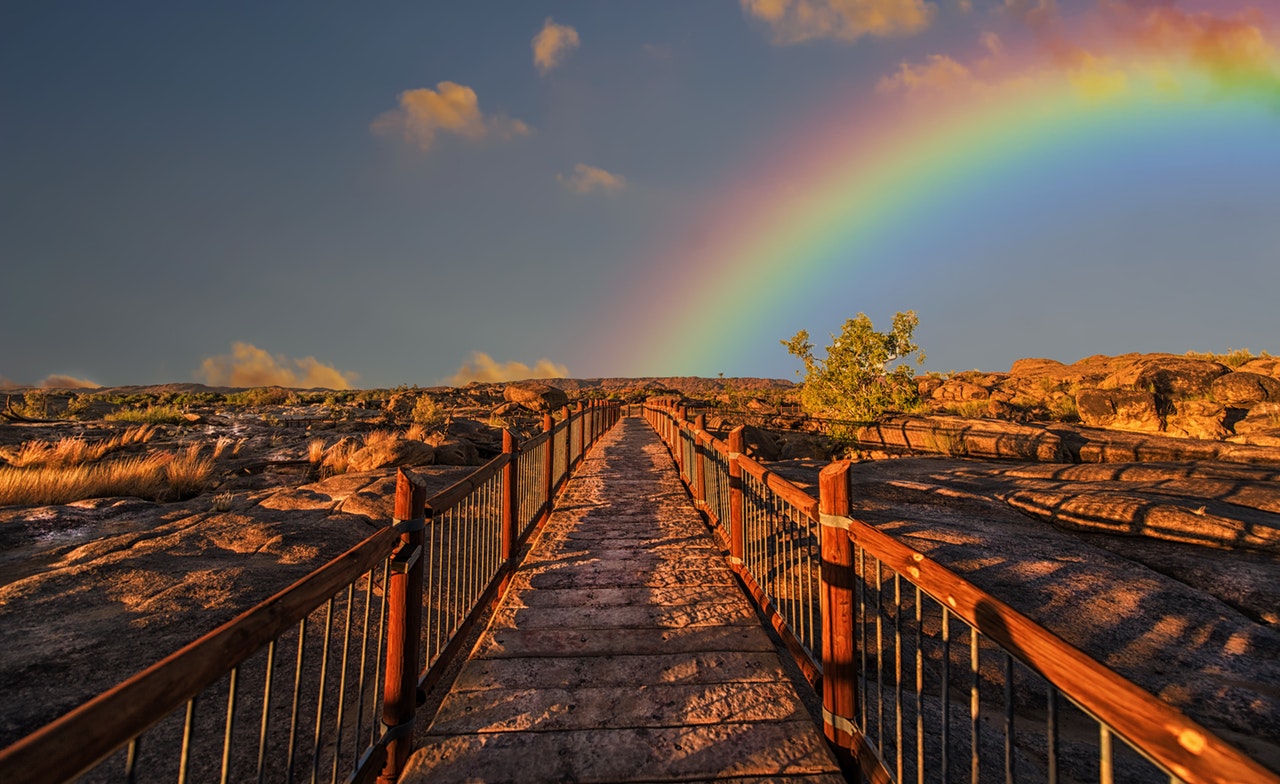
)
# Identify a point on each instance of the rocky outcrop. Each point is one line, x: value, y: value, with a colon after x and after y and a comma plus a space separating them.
x: 1119, y: 409
x: 390, y: 453
x: 1168, y: 376
x: 1244, y: 389
x: 535, y: 396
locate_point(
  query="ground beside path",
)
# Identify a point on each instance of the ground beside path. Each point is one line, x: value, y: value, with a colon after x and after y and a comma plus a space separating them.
x: 624, y: 651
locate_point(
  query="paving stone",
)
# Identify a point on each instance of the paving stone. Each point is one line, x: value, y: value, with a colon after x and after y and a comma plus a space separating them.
x: 625, y: 650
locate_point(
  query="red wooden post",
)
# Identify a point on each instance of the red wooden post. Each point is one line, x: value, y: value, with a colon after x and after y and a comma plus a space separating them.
x: 548, y: 425
x: 737, y: 534
x: 510, y: 497
x: 700, y: 471
x: 404, y: 625
x: 839, y: 669
x: 582, y: 430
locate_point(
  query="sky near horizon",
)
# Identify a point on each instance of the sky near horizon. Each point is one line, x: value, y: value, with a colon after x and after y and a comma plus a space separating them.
x: 420, y: 193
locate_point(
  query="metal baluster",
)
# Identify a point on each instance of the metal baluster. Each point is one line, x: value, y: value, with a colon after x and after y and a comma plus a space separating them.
x: 188, y: 726
x: 879, y: 654
x: 324, y: 675
x: 131, y: 761
x: 266, y: 710
x: 297, y: 688
x: 944, y: 693
x: 342, y: 685
x: 919, y: 687
x: 861, y: 609
x: 364, y: 653
x: 379, y: 661
x: 226, y: 735
x: 974, y: 681
x: 1051, y: 731
x: 1106, y: 773
x: 897, y: 666
x: 1008, y: 718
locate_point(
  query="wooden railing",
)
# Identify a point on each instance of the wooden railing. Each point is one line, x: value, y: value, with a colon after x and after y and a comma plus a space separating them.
x: 322, y: 680
x: 923, y: 675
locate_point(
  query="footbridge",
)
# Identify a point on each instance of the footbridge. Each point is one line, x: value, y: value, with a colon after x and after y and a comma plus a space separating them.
x: 626, y: 597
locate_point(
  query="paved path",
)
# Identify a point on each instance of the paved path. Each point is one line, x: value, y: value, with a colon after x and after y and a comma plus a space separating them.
x: 624, y: 651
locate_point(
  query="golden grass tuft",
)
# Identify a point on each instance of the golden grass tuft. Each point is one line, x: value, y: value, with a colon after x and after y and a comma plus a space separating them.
x: 416, y: 432
x: 375, y: 437
x: 158, y: 476
x: 315, y: 450
x: 69, y: 452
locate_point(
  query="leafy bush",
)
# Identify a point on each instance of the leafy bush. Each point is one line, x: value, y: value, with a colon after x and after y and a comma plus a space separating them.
x: 853, y: 381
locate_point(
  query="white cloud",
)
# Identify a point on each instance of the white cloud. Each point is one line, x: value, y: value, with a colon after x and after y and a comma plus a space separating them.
x: 590, y: 178
x: 249, y: 366
x: 450, y: 108
x: 482, y: 367
x: 552, y: 45
x: 795, y: 21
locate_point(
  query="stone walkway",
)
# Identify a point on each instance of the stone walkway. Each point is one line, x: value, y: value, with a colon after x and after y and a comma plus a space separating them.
x: 624, y: 651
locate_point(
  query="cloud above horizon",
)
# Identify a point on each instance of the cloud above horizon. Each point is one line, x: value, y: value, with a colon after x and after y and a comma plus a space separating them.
x: 451, y: 108
x: 249, y: 366
x: 552, y: 45
x: 797, y: 21
x: 586, y: 179
x: 1119, y: 46
x: 482, y: 367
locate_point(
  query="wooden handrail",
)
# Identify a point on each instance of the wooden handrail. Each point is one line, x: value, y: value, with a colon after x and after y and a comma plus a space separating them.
x: 70, y: 745
x: 452, y: 495
x: 1162, y: 732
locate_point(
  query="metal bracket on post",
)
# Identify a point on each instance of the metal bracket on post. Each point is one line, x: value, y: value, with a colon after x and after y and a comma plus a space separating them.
x: 835, y: 521
x: 410, y: 525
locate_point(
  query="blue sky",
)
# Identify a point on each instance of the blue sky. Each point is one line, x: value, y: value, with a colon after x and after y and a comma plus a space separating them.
x: 242, y: 193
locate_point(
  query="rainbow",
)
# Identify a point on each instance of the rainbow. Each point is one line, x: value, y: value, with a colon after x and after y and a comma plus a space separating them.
x: 818, y: 211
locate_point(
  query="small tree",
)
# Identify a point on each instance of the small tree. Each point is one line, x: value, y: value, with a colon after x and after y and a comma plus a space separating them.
x: 853, y: 382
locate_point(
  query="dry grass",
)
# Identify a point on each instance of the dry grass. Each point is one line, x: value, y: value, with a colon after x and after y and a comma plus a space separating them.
x: 416, y: 432
x: 70, y: 452
x: 315, y: 450
x: 337, y: 459
x: 375, y: 437
x: 150, y: 415
x: 158, y: 476
x: 224, y: 443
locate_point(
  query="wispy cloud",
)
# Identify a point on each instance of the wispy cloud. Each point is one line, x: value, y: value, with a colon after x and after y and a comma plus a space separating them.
x: 552, y: 45
x: 482, y: 367
x: 1109, y: 52
x: 61, y: 381
x: 795, y: 21
x: 586, y: 179
x: 450, y: 108
x: 249, y: 366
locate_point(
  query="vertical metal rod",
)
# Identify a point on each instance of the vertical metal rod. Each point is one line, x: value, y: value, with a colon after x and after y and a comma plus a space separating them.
x: 364, y: 658
x: 234, y: 678
x: 379, y: 661
x: 324, y: 676
x: 919, y: 688
x: 879, y: 653
x: 131, y: 761
x: 944, y: 695
x: 1051, y: 731
x: 188, y: 726
x: 897, y: 669
x: 1106, y: 773
x: 297, y: 688
x: 266, y: 710
x: 974, y: 681
x: 1008, y: 718
x: 342, y: 686
x: 861, y: 605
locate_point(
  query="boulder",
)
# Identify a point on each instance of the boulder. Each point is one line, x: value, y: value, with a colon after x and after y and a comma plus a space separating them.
x: 955, y: 391
x: 535, y: 396
x: 758, y: 406
x: 926, y: 385
x: 1263, y: 366
x: 1197, y: 419
x: 1035, y: 367
x: 390, y: 453
x: 1168, y: 376
x: 1243, y: 389
x: 809, y: 446
x: 1262, y: 417
x: 1119, y: 409
x: 760, y: 444
x: 456, y: 452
